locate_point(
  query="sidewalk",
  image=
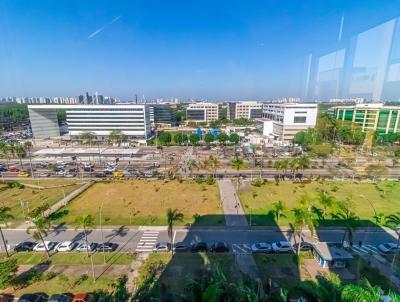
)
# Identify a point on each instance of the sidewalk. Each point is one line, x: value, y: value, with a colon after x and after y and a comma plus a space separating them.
x: 234, y: 215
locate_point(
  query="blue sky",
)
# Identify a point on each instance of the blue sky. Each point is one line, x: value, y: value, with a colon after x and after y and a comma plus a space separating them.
x: 201, y: 49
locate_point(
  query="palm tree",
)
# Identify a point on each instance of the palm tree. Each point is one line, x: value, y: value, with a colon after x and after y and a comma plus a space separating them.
x: 304, y: 162
x: 284, y: 165
x: 4, y: 217
x: 278, y: 167
x: 214, y: 164
x: 116, y: 136
x: 326, y: 201
x: 303, y: 218
x: 5, y: 152
x: 20, y: 152
x: 364, y: 292
x: 87, y: 136
x: 394, y: 222
x: 172, y: 217
x: 278, y: 208
x: 349, y: 218
x: 192, y: 164
x: 28, y: 147
x: 327, y: 288
x: 86, y: 222
x: 294, y: 165
x: 41, y: 225
x: 237, y: 164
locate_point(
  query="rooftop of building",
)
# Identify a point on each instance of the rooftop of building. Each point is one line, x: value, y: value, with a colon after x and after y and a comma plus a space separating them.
x: 331, y: 252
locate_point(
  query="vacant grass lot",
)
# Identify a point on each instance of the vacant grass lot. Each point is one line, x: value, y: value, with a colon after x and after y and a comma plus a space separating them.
x: 68, y: 258
x: 139, y: 202
x: 364, y: 196
x: 23, y: 200
x: 174, y: 270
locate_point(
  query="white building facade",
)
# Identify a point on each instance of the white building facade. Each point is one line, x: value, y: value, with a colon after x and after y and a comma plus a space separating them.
x: 202, y: 112
x: 249, y: 110
x: 289, y: 119
x: 101, y: 120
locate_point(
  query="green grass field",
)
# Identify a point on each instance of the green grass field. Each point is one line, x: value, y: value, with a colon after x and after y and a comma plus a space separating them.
x: 23, y: 200
x: 365, y: 198
x: 139, y: 202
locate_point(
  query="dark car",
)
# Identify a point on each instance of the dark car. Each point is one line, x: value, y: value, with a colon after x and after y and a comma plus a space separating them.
x: 220, y: 247
x: 38, y: 297
x: 199, y: 247
x: 60, y: 298
x: 6, y: 298
x: 181, y: 247
x: 26, y: 246
x: 304, y: 246
x: 107, y: 247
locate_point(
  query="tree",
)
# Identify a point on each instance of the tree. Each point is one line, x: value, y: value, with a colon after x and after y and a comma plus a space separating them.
x: 364, y: 292
x: 393, y: 221
x: 376, y: 171
x: 192, y: 164
x: 326, y: 201
x: 278, y: 208
x: 28, y: 147
x: 223, y: 137
x: 304, y: 162
x: 8, y: 267
x: 193, y: 138
x: 180, y: 138
x: 20, y: 152
x: 294, y: 165
x: 237, y: 164
x: 209, y: 138
x: 41, y: 225
x: 165, y: 138
x: 116, y: 136
x: 214, y: 164
x: 327, y: 288
x: 303, y: 218
x: 5, y: 152
x: 5, y: 216
x: 172, y: 217
x: 349, y: 218
x: 234, y: 138
x: 86, y: 222
x: 87, y: 137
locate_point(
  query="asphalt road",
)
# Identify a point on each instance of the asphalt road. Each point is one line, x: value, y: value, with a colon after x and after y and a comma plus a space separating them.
x: 143, y: 240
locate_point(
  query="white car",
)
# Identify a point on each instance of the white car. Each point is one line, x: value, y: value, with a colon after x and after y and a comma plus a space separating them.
x: 282, y: 247
x: 261, y: 247
x: 40, y: 247
x: 65, y: 246
x: 60, y: 173
x: 162, y: 247
x: 388, y: 248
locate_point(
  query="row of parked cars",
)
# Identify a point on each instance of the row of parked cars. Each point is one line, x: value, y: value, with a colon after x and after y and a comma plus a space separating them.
x: 42, y: 297
x: 66, y: 246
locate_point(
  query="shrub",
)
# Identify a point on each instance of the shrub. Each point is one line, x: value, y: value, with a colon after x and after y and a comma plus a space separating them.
x: 257, y: 182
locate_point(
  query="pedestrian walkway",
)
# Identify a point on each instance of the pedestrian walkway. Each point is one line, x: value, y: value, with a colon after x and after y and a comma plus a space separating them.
x: 233, y: 211
x: 147, y: 241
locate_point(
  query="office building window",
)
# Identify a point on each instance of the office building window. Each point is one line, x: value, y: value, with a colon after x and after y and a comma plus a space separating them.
x: 300, y: 119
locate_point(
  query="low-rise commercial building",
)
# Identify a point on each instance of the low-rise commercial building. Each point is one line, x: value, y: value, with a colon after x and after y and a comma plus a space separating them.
x: 100, y: 120
x: 377, y: 117
x: 202, y: 112
x: 288, y: 119
x: 163, y: 114
x: 249, y: 110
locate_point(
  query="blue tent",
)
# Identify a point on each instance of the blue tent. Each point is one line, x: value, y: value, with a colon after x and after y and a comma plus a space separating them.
x: 199, y: 134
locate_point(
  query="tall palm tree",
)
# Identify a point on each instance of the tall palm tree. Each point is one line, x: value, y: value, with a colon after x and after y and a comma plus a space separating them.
x: 364, y: 292
x: 349, y: 218
x: 294, y: 165
x: 5, y: 216
x: 278, y: 167
x: 192, y: 164
x: 41, y: 225
x: 278, y: 208
x: 394, y: 222
x: 237, y: 164
x: 214, y: 164
x: 326, y: 201
x: 172, y: 217
x: 5, y: 152
x: 86, y: 222
x: 28, y: 147
x: 304, y: 162
x: 284, y: 165
x: 303, y: 218
x: 20, y: 152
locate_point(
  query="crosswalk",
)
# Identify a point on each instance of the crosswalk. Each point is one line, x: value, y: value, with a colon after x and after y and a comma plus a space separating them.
x: 241, y: 248
x: 365, y: 249
x: 147, y: 241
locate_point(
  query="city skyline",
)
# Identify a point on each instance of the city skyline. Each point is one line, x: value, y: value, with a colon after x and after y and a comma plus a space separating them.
x: 224, y: 51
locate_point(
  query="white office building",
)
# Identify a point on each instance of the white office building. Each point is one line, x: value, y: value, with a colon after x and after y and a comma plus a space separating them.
x: 202, y: 112
x: 288, y: 119
x: 249, y: 110
x: 131, y: 119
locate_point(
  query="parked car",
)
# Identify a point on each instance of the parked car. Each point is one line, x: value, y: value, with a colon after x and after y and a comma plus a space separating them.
x: 162, y: 247
x: 304, y: 246
x: 49, y: 245
x: 181, y: 247
x: 388, y: 248
x: 281, y: 247
x: 82, y: 247
x: 65, y: 246
x: 25, y: 246
x: 37, y: 297
x: 220, y: 247
x: 44, y: 174
x: 84, y: 297
x: 60, y: 173
x: 12, y: 169
x: 23, y: 174
x: 6, y: 298
x: 60, y: 298
x: 261, y: 247
x: 107, y: 247
x: 199, y: 247
x: 70, y: 175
